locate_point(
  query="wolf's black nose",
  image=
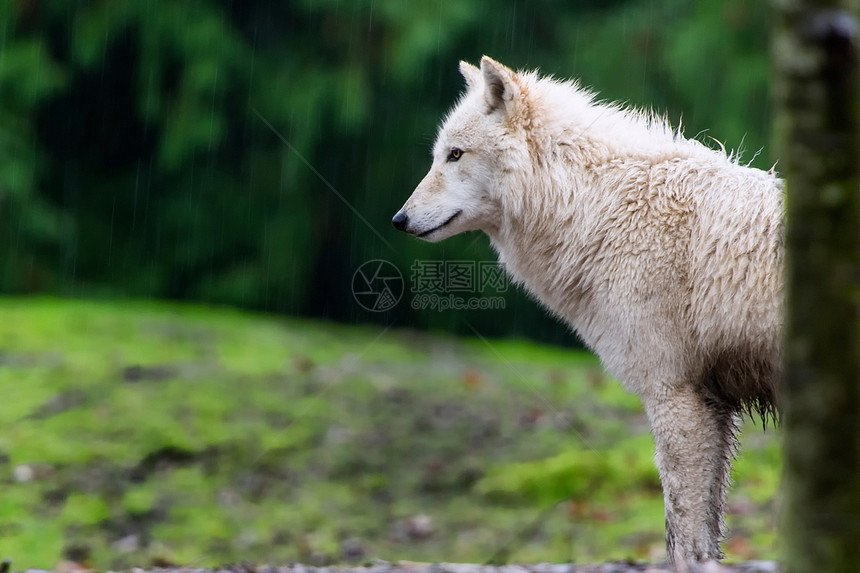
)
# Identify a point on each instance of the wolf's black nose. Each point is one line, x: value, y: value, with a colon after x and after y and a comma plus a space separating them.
x: 399, y: 221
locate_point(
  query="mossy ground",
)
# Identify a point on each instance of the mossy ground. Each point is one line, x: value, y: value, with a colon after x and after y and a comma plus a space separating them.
x: 133, y: 432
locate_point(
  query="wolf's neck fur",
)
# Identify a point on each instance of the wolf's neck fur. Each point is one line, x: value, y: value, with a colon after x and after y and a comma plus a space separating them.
x: 556, y: 239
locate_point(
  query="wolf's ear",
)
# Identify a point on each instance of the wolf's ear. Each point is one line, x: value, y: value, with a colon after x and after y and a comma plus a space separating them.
x: 500, y: 87
x: 470, y: 73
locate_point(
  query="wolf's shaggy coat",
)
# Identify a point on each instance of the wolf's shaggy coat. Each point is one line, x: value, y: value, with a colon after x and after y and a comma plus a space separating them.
x: 664, y: 255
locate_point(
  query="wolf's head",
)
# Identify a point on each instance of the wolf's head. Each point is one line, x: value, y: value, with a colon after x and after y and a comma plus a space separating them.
x: 459, y: 192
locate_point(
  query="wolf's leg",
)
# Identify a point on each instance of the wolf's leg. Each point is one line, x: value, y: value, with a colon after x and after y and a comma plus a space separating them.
x: 694, y: 447
x: 725, y: 448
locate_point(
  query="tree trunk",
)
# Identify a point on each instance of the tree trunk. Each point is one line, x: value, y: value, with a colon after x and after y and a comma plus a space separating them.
x: 815, y: 59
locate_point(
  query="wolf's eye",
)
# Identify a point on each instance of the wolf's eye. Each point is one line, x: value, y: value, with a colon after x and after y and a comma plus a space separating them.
x: 456, y: 153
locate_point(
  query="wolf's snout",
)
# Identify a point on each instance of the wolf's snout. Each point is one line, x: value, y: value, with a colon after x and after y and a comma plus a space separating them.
x: 399, y: 221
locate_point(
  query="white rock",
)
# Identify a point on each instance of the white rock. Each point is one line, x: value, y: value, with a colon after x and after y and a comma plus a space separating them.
x: 128, y: 544
x: 23, y: 473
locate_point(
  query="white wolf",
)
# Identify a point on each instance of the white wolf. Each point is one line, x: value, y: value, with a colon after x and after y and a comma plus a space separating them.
x: 664, y: 255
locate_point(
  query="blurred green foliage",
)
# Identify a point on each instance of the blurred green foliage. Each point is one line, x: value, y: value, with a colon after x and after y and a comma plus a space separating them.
x: 137, y: 158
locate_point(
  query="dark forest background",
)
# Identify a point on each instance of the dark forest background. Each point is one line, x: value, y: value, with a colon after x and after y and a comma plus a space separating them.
x: 186, y: 149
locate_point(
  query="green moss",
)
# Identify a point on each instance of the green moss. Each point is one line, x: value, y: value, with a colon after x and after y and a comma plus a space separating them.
x: 84, y: 509
x: 220, y: 436
x: 139, y: 500
x: 574, y: 475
